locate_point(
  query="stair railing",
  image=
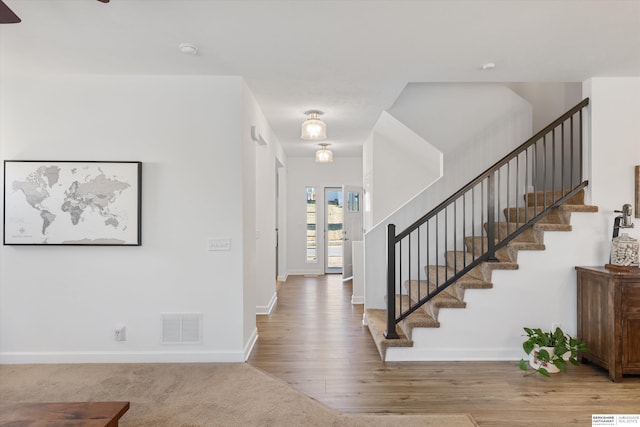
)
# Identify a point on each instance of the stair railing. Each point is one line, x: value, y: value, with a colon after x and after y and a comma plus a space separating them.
x: 465, y: 230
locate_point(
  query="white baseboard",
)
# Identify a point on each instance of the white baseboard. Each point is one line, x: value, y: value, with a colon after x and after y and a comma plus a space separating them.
x: 15, y: 358
x: 267, y: 309
x: 248, y: 348
x: 305, y: 272
x: 412, y: 354
x: 357, y: 299
x: 282, y: 278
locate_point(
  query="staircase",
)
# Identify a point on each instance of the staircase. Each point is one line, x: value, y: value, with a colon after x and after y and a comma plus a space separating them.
x: 558, y: 219
x: 481, y: 228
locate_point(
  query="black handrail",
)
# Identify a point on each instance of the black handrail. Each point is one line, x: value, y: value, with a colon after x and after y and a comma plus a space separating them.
x: 543, y: 157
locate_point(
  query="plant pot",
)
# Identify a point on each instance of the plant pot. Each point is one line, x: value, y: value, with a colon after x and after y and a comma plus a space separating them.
x: 537, y: 364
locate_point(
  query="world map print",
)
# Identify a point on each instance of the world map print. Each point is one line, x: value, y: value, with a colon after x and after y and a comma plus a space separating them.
x: 71, y: 203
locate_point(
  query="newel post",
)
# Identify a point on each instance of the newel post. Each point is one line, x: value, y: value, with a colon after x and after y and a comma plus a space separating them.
x: 391, y: 332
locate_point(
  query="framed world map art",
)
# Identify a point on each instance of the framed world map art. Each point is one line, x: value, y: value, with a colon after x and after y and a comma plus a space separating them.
x: 72, y: 203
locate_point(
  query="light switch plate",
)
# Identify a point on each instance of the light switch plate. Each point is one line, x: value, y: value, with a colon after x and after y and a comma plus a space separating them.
x: 219, y: 244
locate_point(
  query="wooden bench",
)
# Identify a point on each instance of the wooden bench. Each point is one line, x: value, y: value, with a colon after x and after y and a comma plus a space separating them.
x: 71, y: 414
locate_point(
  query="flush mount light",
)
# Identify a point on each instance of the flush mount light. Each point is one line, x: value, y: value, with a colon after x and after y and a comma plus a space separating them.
x: 188, y: 48
x: 324, y: 155
x: 313, y: 129
x: 489, y: 66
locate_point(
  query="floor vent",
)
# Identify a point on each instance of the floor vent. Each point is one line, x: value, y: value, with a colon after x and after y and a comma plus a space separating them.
x: 181, y: 328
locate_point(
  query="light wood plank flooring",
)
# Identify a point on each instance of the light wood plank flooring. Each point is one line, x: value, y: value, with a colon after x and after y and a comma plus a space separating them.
x: 314, y: 340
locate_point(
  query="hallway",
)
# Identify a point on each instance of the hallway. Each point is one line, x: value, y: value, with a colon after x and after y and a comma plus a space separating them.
x: 315, y: 341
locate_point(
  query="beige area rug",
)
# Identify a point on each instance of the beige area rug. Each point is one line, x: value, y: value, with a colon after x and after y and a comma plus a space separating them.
x: 192, y: 395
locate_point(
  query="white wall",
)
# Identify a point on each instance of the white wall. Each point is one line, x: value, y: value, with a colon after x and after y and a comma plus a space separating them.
x: 615, y: 146
x: 390, y: 186
x: 304, y: 172
x: 60, y: 304
x: 548, y: 100
x: 367, y: 183
x: 449, y: 115
x: 282, y: 224
x: 259, y: 189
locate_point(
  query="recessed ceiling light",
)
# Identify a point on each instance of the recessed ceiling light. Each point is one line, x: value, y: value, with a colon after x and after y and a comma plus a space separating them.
x: 188, y: 48
x: 489, y: 66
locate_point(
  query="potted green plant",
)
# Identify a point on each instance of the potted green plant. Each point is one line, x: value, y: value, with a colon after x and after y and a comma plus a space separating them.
x: 550, y: 351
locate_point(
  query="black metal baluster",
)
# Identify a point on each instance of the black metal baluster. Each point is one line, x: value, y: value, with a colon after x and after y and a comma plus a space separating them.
x: 553, y: 166
x: 464, y: 229
x: 562, y: 146
x: 491, y: 251
x: 437, y: 284
x: 544, y: 186
x: 455, y: 236
x: 580, y: 151
x: 482, y: 211
x: 428, y: 272
x: 446, y: 243
x: 573, y: 149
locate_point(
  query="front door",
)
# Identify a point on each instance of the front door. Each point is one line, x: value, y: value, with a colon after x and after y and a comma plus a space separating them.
x: 351, y: 226
x: 333, y: 229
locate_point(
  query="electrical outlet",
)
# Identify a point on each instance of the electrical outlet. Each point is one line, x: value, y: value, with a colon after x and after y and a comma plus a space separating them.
x: 120, y: 333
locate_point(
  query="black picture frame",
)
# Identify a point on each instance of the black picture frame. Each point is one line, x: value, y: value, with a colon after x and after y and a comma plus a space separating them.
x: 71, y: 202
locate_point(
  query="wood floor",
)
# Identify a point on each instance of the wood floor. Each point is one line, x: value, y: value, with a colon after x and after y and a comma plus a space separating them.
x: 314, y: 340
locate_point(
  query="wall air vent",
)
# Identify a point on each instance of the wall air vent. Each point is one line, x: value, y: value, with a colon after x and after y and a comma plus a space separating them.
x: 181, y: 328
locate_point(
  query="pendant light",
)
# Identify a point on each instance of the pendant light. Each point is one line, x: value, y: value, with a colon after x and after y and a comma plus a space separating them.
x: 313, y: 129
x: 324, y: 155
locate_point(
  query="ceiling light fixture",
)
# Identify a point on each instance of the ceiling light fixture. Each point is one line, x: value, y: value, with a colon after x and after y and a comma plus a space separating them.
x: 188, y: 48
x: 324, y: 155
x: 489, y: 66
x: 313, y: 129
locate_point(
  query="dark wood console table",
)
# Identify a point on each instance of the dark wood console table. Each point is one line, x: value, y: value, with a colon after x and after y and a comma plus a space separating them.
x: 609, y: 318
x: 85, y: 414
